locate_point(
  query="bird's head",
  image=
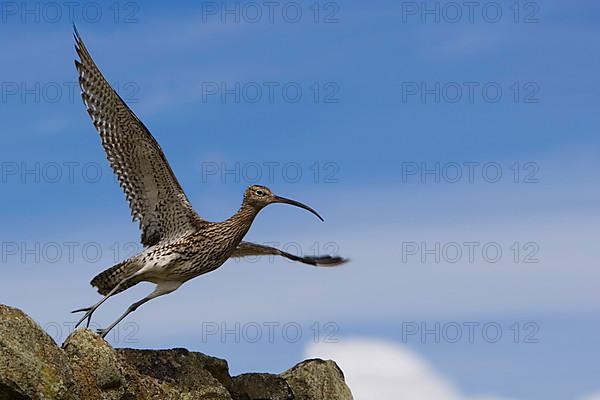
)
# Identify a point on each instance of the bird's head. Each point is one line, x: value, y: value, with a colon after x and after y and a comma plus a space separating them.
x: 260, y: 196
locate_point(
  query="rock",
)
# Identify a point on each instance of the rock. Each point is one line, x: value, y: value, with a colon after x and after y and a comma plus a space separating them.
x: 106, y: 379
x: 317, y: 379
x: 208, y: 377
x: 261, y: 386
x: 33, y: 367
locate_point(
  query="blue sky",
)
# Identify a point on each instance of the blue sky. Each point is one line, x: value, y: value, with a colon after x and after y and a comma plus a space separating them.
x: 385, y: 97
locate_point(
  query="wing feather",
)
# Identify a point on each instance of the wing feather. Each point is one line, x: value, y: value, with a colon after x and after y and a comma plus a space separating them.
x: 155, y: 196
x: 247, y: 249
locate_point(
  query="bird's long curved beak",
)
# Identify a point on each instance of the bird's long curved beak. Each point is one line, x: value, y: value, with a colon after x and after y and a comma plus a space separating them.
x: 279, y: 199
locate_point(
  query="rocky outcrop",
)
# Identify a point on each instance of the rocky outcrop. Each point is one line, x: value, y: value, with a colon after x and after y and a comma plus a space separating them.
x: 32, y: 366
x: 316, y: 379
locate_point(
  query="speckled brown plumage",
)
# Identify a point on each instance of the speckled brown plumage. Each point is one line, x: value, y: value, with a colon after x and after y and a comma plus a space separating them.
x: 178, y: 244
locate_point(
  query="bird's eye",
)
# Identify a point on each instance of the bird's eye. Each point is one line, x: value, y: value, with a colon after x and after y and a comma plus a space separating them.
x: 260, y: 193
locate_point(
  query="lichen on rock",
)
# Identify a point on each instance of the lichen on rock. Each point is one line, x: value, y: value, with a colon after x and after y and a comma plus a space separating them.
x: 316, y: 378
x: 31, y: 364
x: 33, y: 367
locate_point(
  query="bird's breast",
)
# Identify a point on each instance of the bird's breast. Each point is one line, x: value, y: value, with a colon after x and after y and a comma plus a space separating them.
x: 188, y: 258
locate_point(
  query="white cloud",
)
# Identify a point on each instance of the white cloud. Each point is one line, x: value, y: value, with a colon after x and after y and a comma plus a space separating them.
x: 592, y: 396
x: 381, y: 370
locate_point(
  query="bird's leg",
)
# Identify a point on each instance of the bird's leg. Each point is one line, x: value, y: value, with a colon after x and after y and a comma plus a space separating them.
x: 162, y: 288
x: 130, y: 309
x: 90, y: 310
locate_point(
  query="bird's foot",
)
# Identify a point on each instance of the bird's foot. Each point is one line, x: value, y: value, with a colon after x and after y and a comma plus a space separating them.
x: 102, y: 332
x: 88, y: 315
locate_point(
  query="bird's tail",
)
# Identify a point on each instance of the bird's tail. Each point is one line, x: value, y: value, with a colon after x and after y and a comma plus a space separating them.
x: 107, y: 280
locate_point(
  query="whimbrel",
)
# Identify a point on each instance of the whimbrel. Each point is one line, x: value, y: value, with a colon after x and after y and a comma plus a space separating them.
x: 178, y: 244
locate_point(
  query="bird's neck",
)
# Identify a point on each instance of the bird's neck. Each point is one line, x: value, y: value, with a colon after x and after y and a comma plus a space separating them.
x: 241, y: 221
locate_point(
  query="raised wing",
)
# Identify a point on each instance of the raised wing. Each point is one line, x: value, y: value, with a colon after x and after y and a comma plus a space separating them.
x: 155, y: 197
x: 247, y: 249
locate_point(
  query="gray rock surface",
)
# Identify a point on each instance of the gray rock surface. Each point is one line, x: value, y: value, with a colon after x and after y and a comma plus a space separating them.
x: 33, y: 367
x: 317, y: 379
x: 261, y: 386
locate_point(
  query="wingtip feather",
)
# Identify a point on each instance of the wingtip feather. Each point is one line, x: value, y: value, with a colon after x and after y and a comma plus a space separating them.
x: 329, y: 261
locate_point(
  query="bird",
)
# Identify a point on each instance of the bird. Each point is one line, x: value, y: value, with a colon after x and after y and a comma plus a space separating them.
x: 178, y: 244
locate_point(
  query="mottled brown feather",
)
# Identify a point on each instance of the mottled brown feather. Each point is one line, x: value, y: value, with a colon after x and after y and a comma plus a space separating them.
x: 155, y: 196
x: 108, y: 279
